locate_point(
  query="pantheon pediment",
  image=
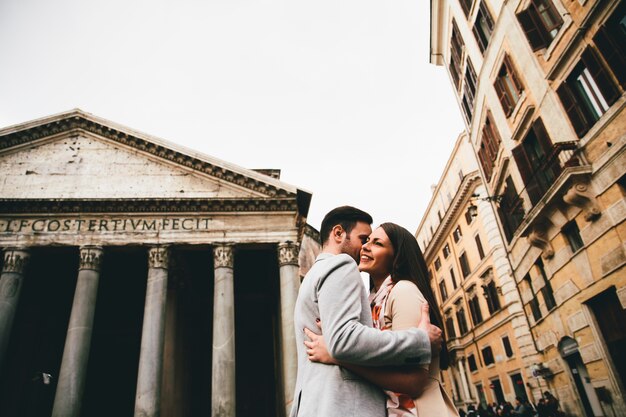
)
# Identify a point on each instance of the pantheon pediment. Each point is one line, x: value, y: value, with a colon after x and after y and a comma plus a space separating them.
x: 76, y: 155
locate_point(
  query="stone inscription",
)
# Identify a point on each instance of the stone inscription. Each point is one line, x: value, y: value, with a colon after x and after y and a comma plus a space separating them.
x: 99, y: 225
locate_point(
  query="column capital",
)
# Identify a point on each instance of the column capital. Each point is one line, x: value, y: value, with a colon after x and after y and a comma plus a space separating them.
x: 223, y: 256
x: 15, y: 260
x: 288, y: 253
x: 90, y: 257
x: 158, y: 257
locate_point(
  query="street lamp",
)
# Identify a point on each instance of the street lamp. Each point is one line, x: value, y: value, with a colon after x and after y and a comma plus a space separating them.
x: 473, y: 209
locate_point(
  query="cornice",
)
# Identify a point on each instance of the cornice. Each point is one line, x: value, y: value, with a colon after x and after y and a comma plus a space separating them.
x: 78, y: 121
x: 469, y: 182
x: 23, y: 206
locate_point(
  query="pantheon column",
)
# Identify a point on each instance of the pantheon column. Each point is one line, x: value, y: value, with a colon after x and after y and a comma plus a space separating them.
x: 148, y: 397
x: 69, y: 394
x: 10, y: 288
x: 223, y: 375
x: 289, y: 285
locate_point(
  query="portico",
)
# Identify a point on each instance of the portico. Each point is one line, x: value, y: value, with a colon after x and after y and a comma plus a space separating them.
x: 177, y: 257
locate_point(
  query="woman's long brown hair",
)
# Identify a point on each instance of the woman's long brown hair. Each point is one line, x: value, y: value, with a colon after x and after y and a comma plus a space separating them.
x: 409, y: 264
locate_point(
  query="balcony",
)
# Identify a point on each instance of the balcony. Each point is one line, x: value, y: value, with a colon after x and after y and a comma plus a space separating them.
x: 562, y: 176
x: 546, y: 172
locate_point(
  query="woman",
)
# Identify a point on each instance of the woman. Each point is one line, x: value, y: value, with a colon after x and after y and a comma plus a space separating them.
x: 399, y: 287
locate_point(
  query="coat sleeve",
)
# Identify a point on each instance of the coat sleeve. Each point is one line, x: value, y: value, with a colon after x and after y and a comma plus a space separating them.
x: 340, y: 301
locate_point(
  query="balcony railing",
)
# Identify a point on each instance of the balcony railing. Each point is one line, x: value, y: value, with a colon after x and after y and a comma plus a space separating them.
x: 545, y: 174
x: 546, y: 171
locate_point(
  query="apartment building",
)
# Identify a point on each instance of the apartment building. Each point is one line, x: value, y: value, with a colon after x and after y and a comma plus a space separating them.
x: 540, y: 84
x: 486, y: 330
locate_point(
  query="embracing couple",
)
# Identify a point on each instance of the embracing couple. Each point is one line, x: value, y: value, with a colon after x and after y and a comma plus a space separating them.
x: 375, y: 355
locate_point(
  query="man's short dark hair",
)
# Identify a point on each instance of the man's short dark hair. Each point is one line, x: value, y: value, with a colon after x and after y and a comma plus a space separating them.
x: 346, y: 216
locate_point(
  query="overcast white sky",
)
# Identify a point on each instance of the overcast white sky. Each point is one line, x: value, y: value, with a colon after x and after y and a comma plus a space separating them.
x: 337, y: 94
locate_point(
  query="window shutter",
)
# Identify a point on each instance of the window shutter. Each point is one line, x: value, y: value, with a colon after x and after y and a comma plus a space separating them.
x: 525, y: 170
x: 484, y: 161
x: 600, y: 75
x: 533, y: 29
x: 492, y: 133
x: 487, y: 15
x: 613, y: 53
x: 514, y: 77
x: 503, y: 97
x: 542, y: 137
x: 479, y: 40
x: 546, y: 145
x: 577, y: 117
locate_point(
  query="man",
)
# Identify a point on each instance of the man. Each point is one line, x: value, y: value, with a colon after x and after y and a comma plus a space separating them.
x: 333, y: 292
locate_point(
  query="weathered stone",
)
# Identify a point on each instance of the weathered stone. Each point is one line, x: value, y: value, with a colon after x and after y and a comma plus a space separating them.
x: 612, y: 260
x: 10, y: 289
x: 71, y: 386
x: 565, y: 292
x: 577, y: 321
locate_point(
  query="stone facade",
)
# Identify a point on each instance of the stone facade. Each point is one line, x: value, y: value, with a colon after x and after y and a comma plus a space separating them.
x: 541, y: 88
x: 202, y: 234
x: 487, y: 333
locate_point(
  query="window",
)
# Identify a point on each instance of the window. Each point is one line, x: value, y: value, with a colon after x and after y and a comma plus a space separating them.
x: 450, y: 333
x: 469, y: 91
x: 469, y: 218
x: 453, y: 278
x: 490, y: 291
x: 479, y: 246
x: 446, y: 251
x: 465, y: 268
x: 511, y: 209
x: 442, y: 289
x: 471, y: 361
x: 487, y: 355
x: 611, y: 43
x: 457, y: 234
x: 508, y: 86
x: 572, y: 234
x: 508, y: 350
x: 461, y: 176
x: 466, y: 5
x: 534, y: 303
x: 535, y: 162
x: 540, y: 22
x: 437, y: 264
x: 489, y: 146
x: 474, y: 307
x: 483, y: 26
x: 460, y: 318
x: 456, y: 55
x: 546, y: 291
x: 588, y: 92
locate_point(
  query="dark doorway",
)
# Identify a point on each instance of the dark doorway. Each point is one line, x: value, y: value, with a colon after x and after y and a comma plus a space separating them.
x: 610, y: 317
x: 38, y: 336
x: 496, y: 386
x: 568, y: 348
x: 256, y: 330
x: 116, y: 339
x: 518, y: 386
x: 482, y: 399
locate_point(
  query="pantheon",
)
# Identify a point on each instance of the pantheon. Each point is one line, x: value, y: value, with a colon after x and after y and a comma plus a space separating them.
x: 140, y: 278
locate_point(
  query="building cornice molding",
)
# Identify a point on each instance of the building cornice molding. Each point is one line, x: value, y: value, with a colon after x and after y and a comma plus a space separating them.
x: 157, y: 205
x: 469, y: 183
x: 77, y: 121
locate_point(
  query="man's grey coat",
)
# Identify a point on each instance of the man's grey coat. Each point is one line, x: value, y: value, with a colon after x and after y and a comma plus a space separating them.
x: 333, y: 292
